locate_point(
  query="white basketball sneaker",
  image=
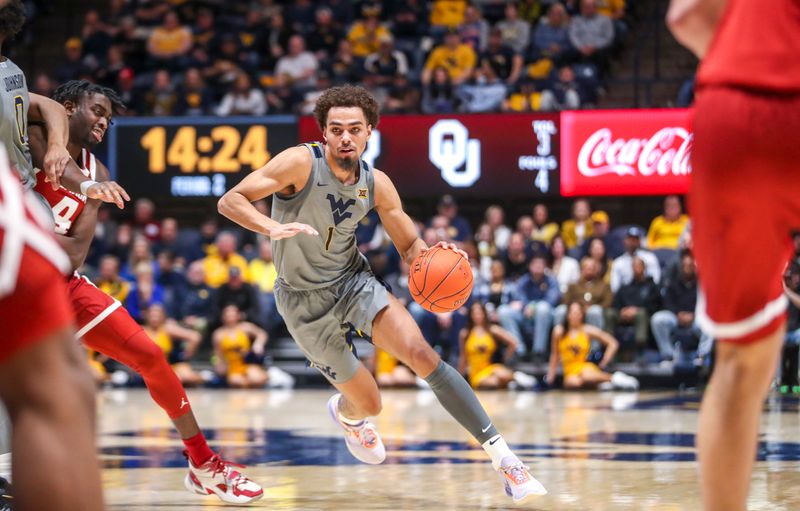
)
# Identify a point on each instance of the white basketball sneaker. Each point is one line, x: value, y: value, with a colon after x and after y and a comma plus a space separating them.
x: 518, y: 482
x: 363, y: 441
x: 217, y: 477
x: 623, y: 381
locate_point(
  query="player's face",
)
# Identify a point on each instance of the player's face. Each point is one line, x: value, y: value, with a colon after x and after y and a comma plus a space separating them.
x: 346, y: 134
x: 90, y: 118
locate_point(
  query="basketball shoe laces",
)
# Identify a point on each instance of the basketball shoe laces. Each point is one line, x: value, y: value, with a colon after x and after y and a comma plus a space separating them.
x: 224, y: 467
x: 364, y: 434
x: 517, y: 473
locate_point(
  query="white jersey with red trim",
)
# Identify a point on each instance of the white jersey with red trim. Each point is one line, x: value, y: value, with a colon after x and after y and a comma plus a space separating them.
x: 24, y: 221
x: 67, y: 205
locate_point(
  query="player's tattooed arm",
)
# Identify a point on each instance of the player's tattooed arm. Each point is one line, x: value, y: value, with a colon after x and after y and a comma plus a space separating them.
x: 694, y: 22
x: 286, y: 173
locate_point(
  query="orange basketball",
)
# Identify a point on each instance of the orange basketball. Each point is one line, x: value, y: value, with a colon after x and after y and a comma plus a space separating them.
x: 440, y: 280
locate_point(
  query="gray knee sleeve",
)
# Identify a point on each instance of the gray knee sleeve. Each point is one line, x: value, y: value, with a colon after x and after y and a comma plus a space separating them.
x: 460, y: 401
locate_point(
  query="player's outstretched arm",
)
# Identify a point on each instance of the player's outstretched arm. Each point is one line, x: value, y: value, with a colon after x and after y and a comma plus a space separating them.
x: 398, y: 224
x: 53, y: 116
x: 693, y: 22
x: 288, y: 173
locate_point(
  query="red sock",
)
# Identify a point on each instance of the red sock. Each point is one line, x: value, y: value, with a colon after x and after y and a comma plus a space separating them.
x: 199, y: 451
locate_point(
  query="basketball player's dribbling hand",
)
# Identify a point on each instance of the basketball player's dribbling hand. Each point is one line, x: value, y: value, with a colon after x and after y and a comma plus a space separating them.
x: 108, y: 191
x: 282, y: 231
x: 447, y: 246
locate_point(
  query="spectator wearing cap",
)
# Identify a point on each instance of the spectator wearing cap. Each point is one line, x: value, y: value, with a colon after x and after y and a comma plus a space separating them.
x: 460, y: 227
x: 506, y: 61
x: 601, y: 226
x: 72, y: 66
x: 298, y: 64
x: 578, y: 228
x: 169, y: 44
x: 457, y: 58
x: 128, y: 92
x: 535, y: 296
x: 239, y: 293
x: 243, y: 99
x: 543, y: 229
x: 218, y: 263
x: 365, y: 35
x: 386, y: 63
x: 514, y: 31
x: 622, y: 269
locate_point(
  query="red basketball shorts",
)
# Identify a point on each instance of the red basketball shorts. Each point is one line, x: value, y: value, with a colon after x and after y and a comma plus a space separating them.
x: 37, y: 307
x: 93, y: 307
x: 745, y: 204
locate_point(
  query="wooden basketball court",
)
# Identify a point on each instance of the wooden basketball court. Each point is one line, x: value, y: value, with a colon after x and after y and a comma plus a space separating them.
x: 593, y: 451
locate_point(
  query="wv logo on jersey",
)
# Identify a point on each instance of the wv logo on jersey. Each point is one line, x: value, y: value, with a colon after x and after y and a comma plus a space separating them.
x: 339, y: 208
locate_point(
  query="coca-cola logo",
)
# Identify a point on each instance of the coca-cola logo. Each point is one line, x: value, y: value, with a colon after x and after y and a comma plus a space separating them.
x: 666, y: 152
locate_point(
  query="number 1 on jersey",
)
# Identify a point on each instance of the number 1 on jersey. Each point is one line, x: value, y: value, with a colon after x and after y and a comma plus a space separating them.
x: 330, y: 238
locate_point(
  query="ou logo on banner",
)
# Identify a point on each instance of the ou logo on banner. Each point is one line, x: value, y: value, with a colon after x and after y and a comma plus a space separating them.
x: 449, y: 148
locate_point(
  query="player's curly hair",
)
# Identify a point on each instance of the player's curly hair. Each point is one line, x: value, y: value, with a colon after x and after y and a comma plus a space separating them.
x: 347, y: 95
x: 73, y: 90
x: 12, y: 17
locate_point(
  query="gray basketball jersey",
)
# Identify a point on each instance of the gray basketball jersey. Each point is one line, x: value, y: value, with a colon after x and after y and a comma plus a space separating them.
x: 14, y: 104
x: 334, y: 209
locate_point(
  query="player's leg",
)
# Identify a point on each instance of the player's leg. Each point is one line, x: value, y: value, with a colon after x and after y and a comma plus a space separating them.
x: 592, y: 377
x: 403, y: 376
x: 394, y: 330
x: 118, y: 337
x: 729, y: 420
x: 741, y: 235
x: 49, y: 396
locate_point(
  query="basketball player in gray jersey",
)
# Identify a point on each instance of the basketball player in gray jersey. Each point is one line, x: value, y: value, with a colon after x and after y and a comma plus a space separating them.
x: 18, y: 108
x: 325, y: 286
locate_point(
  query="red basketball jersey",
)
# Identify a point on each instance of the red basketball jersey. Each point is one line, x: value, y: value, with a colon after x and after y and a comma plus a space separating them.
x: 755, y: 47
x: 67, y: 205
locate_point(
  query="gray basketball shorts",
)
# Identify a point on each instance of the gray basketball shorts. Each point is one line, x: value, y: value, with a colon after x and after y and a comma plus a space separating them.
x: 319, y: 320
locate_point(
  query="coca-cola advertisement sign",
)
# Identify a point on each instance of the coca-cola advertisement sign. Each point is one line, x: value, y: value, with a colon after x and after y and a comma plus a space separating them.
x: 625, y: 152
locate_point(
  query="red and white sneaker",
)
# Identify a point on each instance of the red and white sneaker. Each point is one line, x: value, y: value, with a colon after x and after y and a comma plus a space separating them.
x: 217, y: 477
x: 362, y: 441
x: 517, y: 481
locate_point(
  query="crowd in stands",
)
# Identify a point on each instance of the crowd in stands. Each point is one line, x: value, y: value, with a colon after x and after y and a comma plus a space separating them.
x: 210, y: 291
x: 271, y: 57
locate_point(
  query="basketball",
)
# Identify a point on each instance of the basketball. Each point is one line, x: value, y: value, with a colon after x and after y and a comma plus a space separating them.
x: 440, y: 280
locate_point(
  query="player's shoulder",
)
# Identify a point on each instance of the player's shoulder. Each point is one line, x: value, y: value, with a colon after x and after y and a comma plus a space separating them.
x: 292, y: 157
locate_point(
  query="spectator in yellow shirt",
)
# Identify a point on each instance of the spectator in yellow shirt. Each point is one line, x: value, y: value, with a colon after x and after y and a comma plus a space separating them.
x: 447, y: 13
x: 217, y: 265
x: 543, y: 229
x: 666, y: 229
x: 456, y: 57
x: 170, y: 42
x: 366, y: 34
x: 614, y: 9
x: 262, y: 269
x: 578, y: 228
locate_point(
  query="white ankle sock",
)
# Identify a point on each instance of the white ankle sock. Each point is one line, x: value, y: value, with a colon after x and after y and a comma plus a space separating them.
x: 350, y: 422
x: 497, y: 449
